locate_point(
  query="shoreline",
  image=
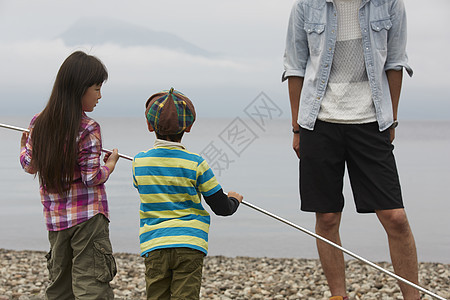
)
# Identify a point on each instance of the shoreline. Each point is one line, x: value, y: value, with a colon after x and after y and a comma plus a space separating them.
x: 24, y: 276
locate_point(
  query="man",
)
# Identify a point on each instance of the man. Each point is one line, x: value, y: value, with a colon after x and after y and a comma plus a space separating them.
x: 344, y: 61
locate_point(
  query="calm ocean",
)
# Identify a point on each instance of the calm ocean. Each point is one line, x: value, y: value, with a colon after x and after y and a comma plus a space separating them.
x: 255, y: 159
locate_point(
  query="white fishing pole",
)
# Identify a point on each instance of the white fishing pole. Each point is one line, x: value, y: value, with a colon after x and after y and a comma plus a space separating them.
x: 120, y: 155
x: 13, y: 127
x: 343, y: 250
x: 26, y: 130
x: 299, y: 228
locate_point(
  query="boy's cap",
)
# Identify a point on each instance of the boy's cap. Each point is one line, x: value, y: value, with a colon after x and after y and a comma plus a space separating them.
x: 169, y: 112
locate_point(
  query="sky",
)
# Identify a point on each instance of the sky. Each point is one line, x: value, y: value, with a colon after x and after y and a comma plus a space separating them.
x: 246, y: 37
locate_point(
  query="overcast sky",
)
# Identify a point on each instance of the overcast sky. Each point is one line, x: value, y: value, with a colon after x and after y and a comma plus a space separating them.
x: 247, y: 36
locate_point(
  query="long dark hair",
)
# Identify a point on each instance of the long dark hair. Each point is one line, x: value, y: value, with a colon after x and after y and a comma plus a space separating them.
x: 55, y: 133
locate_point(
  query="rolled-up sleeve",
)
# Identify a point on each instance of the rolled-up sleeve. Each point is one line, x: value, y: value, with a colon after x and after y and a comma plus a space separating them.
x: 26, y: 151
x: 296, y: 52
x: 25, y: 158
x: 90, y: 149
x: 396, y: 43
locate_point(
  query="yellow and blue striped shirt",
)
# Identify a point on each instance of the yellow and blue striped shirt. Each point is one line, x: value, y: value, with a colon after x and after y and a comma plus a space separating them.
x: 170, y: 181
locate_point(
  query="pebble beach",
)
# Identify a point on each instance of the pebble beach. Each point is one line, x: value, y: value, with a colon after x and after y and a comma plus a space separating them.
x: 24, y: 276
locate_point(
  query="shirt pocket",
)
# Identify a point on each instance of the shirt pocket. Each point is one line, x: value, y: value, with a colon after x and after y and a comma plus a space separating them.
x: 315, y: 36
x: 380, y: 29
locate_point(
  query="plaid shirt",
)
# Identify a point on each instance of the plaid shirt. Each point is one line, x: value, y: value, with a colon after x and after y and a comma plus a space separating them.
x: 87, y: 196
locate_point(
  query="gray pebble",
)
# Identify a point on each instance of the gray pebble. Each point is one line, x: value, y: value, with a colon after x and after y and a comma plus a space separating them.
x: 23, y: 276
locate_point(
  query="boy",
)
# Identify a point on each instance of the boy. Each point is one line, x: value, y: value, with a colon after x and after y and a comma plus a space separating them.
x: 174, y: 225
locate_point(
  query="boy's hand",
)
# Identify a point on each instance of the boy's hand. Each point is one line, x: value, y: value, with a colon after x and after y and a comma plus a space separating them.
x: 236, y: 195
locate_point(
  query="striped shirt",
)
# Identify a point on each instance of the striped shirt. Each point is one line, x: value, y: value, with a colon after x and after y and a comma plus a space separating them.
x: 170, y: 181
x: 87, y: 196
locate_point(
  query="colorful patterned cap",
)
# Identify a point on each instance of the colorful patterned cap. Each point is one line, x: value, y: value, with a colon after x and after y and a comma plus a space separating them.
x: 169, y: 112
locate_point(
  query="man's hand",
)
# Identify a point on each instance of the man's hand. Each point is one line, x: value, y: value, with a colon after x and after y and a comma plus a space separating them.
x: 296, y: 144
x: 392, y: 132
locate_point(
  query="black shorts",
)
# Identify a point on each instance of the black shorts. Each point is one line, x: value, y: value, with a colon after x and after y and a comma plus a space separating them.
x: 368, y: 154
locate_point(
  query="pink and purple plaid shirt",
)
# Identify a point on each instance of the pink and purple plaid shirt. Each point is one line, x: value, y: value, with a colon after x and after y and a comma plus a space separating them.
x: 87, y: 196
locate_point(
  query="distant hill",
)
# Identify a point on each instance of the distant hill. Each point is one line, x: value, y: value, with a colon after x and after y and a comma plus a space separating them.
x: 98, y: 31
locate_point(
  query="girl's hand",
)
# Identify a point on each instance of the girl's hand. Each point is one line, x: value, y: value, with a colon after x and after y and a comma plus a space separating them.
x: 111, y: 159
x: 107, y: 155
x: 23, y: 140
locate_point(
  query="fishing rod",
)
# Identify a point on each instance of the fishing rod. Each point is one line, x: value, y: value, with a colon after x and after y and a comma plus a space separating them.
x: 26, y: 130
x: 344, y: 250
x: 299, y: 228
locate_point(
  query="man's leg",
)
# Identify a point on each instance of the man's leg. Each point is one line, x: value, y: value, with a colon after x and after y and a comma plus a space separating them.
x: 322, y: 166
x: 402, y: 248
x: 331, y: 258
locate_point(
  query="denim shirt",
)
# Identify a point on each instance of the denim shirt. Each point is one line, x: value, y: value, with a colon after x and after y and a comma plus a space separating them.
x: 310, y: 45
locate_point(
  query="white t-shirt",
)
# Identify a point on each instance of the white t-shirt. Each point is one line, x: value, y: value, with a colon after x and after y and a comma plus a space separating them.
x: 348, y: 98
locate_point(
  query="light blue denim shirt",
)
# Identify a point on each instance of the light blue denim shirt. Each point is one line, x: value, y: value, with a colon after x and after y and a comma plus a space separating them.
x: 310, y: 45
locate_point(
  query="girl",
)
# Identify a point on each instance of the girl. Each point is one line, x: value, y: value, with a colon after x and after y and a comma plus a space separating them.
x: 64, y: 148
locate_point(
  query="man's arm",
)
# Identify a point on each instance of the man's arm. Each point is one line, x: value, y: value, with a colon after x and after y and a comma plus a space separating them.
x: 395, y: 85
x: 295, y: 85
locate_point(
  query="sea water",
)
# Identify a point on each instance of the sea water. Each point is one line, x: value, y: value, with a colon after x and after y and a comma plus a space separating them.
x: 255, y: 159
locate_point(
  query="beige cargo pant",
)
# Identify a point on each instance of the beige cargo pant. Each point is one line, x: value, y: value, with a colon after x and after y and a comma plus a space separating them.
x: 173, y: 273
x: 80, y: 261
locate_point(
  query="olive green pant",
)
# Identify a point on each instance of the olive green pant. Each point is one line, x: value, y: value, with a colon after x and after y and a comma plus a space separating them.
x: 80, y: 261
x: 173, y: 273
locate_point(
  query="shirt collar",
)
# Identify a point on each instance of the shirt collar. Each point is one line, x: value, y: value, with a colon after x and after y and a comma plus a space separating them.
x: 164, y: 143
x: 362, y: 1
